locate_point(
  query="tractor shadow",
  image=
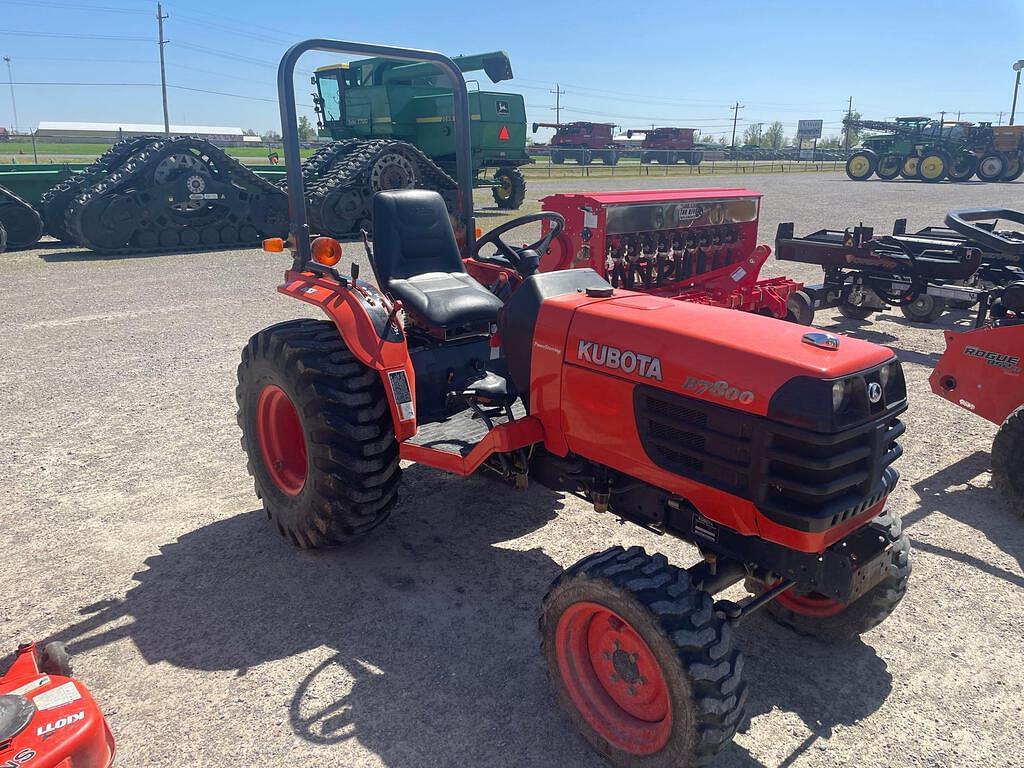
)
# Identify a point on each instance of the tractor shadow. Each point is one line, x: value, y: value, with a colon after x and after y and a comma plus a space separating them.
x: 423, y: 639
x: 82, y: 254
x: 980, y: 507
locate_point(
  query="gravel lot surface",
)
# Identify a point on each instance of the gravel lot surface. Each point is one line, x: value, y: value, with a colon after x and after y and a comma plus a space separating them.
x: 131, y: 531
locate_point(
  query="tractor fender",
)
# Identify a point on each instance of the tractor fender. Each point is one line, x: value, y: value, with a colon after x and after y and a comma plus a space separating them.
x: 365, y: 319
x: 981, y: 371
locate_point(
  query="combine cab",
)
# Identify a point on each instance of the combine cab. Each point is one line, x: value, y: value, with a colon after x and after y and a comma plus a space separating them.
x: 385, y: 99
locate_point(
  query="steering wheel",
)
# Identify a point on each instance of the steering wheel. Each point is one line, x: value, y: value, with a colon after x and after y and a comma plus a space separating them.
x: 963, y: 222
x: 514, y: 256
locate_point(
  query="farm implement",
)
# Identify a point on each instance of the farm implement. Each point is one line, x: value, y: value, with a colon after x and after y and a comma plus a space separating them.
x: 981, y: 370
x: 48, y: 719
x: 932, y: 150
x: 697, y: 245
x: 768, y: 447
x: 582, y: 142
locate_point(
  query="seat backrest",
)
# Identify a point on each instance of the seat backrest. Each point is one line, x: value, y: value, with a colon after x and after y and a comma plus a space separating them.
x: 412, y: 234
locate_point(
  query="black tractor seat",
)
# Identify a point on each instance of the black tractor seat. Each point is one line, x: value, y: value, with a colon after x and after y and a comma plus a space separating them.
x: 417, y: 260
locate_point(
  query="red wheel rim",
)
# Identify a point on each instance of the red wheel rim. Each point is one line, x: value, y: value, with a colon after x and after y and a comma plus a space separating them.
x: 281, y: 440
x: 613, y: 678
x: 810, y: 605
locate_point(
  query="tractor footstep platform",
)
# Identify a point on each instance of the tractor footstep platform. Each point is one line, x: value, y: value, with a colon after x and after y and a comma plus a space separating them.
x: 460, y: 433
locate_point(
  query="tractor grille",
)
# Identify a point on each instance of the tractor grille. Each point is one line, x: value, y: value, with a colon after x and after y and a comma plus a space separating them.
x: 802, y: 479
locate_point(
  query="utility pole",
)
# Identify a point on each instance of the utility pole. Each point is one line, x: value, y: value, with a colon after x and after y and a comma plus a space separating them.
x: 14, y: 104
x: 846, y: 128
x: 958, y: 115
x: 558, y: 103
x: 735, y: 116
x: 942, y: 118
x: 1000, y: 118
x: 757, y: 141
x: 163, y: 73
x: 1016, y: 87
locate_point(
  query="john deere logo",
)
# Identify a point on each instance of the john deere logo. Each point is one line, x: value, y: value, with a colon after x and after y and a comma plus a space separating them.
x: 502, y: 107
x: 874, y: 392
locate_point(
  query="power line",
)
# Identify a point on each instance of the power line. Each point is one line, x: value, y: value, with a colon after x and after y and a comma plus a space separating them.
x: 558, y: 92
x: 75, y: 36
x: 73, y: 6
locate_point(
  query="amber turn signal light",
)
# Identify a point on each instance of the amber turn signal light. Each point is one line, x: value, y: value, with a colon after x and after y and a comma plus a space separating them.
x: 326, y: 251
x: 273, y: 245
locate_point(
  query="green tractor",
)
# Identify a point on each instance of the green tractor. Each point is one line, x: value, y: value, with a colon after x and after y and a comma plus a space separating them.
x: 929, y: 150
x: 379, y: 98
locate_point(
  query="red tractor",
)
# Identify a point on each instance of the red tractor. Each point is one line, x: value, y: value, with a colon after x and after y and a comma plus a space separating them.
x: 981, y: 370
x: 768, y: 447
x: 582, y: 142
x: 668, y: 145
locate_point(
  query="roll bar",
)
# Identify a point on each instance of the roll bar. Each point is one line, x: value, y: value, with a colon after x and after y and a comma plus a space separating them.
x: 298, y: 226
x: 964, y: 221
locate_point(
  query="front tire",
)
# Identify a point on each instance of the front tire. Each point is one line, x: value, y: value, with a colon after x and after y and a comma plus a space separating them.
x: 317, y: 430
x: 861, y: 165
x: 933, y: 167
x: 1008, y: 457
x: 800, y: 308
x: 814, y: 615
x: 992, y: 166
x: 640, y: 662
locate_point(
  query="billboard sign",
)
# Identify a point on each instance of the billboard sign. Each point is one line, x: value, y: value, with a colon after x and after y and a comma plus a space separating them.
x: 808, y: 129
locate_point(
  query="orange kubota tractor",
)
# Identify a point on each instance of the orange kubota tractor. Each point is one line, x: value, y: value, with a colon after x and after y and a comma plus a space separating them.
x: 768, y: 447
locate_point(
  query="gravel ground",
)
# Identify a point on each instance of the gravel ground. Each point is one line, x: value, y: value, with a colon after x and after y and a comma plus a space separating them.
x: 133, y: 533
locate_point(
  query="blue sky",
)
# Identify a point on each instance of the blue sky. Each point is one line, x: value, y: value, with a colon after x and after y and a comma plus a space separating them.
x: 634, y: 64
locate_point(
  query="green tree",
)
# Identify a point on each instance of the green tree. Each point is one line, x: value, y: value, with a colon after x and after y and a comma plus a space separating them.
x: 773, y: 136
x: 854, y: 134
x: 249, y: 132
x: 752, y: 135
x: 306, y: 131
x: 271, y: 135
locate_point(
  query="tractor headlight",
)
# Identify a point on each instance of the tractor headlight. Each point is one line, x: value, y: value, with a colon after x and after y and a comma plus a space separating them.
x: 841, y: 394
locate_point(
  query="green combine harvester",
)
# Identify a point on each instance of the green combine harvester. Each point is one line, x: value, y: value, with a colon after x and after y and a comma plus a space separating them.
x: 930, y: 150
x: 384, y: 99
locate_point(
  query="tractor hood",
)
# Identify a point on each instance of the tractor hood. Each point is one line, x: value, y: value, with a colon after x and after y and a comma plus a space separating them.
x: 720, y: 355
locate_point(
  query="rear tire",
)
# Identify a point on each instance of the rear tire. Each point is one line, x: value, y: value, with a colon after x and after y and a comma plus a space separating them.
x: 813, y: 615
x: 933, y: 167
x: 640, y: 661
x: 909, y: 168
x: 316, y: 427
x: 1014, y: 168
x: 557, y: 158
x: 1008, y: 458
x: 888, y: 167
x: 924, y: 309
x: 992, y: 166
x: 962, y: 167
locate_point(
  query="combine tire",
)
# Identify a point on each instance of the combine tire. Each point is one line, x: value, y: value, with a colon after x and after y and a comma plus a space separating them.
x: 1014, y: 168
x: 1008, y: 458
x: 317, y: 431
x: 861, y: 165
x: 888, y: 167
x: 924, y: 309
x: 800, y: 308
x: 585, y: 157
x: 808, y: 613
x: 992, y: 166
x: 910, y: 167
x: 640, y: 662
x: 557, y: 158
x: 933, y: 167
x: 610, y: 158
x: 962, y: 167
x: 511, y: 190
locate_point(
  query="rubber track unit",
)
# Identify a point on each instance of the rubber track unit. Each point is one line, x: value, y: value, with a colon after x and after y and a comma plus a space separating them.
x: 872, y: 608
x: 131, y: 211
x: 339, y: 188
x: 1008, y: 457
x: 21, y: 221
x: 685, y: 616
x: 353, y: 473
x: 53, y: 205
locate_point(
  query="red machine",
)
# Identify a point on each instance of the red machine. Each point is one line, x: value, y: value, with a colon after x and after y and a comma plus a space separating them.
x: 583, y: 142
x: 47, y: 719
x: 697, y: 245
x: 668, y: 145
x: 981, y: 372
